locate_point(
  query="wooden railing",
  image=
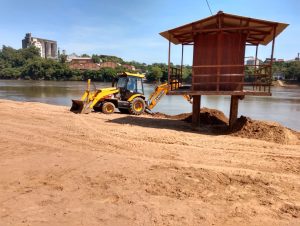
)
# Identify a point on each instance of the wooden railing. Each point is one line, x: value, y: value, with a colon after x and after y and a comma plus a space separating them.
x: 211, y: 77
x: 175, y: 78
x: 258, y: 78
x: 262, y: 78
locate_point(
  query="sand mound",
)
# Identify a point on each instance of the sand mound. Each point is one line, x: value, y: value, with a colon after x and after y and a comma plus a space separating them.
x: 207, y: 117
x: 217, y: 123
x: 210, y: 117
x: 269, y: 131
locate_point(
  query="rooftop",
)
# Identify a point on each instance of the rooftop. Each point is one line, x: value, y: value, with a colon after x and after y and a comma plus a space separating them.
x: 258, y: 31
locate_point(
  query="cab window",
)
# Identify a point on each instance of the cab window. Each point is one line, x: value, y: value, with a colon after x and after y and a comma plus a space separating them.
x: 131, y: 85
x: 140, y: 88
x: 121, y: 82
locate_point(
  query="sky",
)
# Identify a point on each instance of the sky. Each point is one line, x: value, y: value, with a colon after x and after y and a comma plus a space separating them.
x: 130, y: 28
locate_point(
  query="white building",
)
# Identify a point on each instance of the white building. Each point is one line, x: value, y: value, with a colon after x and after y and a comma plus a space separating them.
x: 252, y: 61
x: 48, y: 48
x: 38, y: 45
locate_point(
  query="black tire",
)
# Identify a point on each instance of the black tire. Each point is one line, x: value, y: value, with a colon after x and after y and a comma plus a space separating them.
x: 124, y: 110
x: 137, y: 106
x: 108, y: 108
x: 98, y: 108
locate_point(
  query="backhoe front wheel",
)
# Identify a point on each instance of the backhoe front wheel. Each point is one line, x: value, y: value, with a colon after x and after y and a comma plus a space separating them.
x: 137, y: 106
x: 108, y: 108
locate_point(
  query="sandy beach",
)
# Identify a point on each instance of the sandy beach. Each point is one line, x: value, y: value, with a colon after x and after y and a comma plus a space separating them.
x: 61, y: 168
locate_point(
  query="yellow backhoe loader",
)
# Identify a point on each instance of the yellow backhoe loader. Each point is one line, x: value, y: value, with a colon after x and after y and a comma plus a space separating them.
x: 127, y: 94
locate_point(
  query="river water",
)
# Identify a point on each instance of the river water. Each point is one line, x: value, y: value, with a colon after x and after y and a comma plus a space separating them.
x: 283, y: 106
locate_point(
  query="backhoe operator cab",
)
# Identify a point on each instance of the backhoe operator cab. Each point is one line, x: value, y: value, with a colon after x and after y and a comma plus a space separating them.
x: 131, y: 97
x: 129, y: 84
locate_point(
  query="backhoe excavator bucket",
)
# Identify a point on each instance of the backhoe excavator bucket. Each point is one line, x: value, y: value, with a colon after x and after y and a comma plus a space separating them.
x: 80, y: 107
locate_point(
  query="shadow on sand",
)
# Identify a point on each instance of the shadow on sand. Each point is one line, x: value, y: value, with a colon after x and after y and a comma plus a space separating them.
x: 174, y: 124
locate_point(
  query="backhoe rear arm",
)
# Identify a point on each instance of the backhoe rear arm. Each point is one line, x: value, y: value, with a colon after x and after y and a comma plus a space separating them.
x: 159, y: 92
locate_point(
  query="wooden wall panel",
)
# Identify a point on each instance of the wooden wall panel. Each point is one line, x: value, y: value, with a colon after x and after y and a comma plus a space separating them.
x: 219, y: 49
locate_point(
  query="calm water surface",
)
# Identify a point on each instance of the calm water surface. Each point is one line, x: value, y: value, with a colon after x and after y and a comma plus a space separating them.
x: 283, y: 106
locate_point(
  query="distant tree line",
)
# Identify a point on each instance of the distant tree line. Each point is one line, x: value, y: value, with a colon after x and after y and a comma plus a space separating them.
x: 287, y: 70
x: 280, y: 70
x: 27, y: 64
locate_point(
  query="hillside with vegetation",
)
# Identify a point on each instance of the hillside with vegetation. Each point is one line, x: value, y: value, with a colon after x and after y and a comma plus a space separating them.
x: 28, y: 65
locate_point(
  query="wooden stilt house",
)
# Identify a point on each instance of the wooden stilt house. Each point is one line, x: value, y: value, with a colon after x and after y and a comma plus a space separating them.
x: 219, y: 44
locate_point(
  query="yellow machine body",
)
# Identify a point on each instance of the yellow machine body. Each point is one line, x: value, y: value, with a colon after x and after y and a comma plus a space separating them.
x: 90, y: 98
x: 135, y: 103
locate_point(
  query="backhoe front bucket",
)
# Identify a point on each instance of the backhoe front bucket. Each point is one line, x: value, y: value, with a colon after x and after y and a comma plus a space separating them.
x: 80, y: 107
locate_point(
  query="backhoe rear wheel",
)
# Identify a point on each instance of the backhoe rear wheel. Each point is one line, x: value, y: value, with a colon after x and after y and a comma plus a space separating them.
x: 108, y: 108
x: 137, y: 106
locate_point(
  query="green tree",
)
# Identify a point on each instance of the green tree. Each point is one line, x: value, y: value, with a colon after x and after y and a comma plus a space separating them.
x: 96, y: 59
x: 30, y: 53
x: 13, y: 61
x: 108, y: 74
x: 10, y: 73
x: 75, y: 75
x: 164, y: 69
x: 106, y: 58
x: 154, y: 74
x: 45, y: 69
x: 187, y: 74
x: 62, y: 58
x: 293, y: 71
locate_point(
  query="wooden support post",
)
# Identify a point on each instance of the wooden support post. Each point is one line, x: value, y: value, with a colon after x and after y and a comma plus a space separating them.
x: 234, y: 106
x: 169, y: 63
x: 182, y: 47
x: 196, y: 111
x: 256, y: 51
x: 272, y: 55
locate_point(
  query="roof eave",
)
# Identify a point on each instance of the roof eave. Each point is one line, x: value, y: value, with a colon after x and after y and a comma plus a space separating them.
x: 279, y: 28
